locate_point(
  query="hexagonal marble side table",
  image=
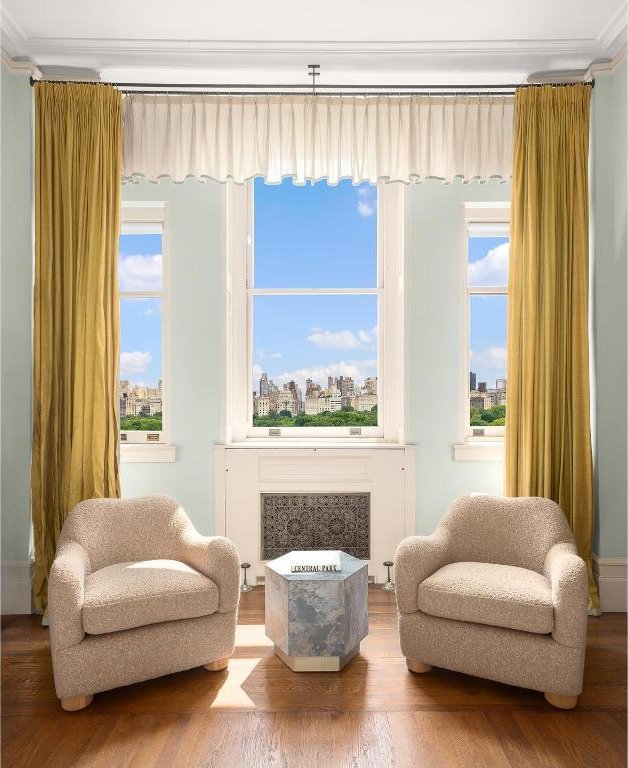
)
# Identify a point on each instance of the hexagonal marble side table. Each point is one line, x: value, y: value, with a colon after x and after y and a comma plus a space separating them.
x: 316, y: 620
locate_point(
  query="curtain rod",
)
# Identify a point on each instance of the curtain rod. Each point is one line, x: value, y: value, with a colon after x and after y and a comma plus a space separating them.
x: 252, y: 89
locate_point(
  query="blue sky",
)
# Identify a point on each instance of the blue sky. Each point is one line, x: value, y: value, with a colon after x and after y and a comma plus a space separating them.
x: 139, y: 268
x: 488, y: 266
x: 311, y: 236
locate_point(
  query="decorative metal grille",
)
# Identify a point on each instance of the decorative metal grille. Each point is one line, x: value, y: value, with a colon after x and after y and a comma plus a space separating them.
x: 315, y: 521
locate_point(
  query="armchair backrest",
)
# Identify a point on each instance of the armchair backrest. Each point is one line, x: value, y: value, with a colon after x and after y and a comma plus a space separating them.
x: 124, y: 530
x: 505, y: 530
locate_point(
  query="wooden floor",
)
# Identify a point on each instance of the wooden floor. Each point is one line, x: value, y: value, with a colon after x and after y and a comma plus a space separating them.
x: 259, y: 713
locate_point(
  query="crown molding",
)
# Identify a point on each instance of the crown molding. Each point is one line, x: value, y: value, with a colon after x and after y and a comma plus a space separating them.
x: 613, y: 37
x: 517, y: 57
x: 13, y: 39
x: 47, y: 46
x: 20, y: 66
x: 601, y: 68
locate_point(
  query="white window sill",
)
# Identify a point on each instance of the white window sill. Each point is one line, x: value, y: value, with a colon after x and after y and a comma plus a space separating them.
x: 485, y: 450
x: 287, y: 443
x: 136, y: 453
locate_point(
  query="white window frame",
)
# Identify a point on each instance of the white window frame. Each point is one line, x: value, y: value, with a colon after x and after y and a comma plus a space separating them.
x: 238, y: 265
x: 496, y: 218
x: 142, y: 217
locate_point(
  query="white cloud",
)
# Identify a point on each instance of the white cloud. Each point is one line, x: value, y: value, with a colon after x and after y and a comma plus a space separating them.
x: 271, y: 355
x: 493, y: 358
x: 492, y: 269
x: 364, y: 192
x: 140, y: 273
x: 366, y: 208
x: 342, y: 339
x: 132, y: 363
x: 275, y: 355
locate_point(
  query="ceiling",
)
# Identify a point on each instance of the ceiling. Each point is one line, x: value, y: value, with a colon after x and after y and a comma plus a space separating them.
x: 359, y: 41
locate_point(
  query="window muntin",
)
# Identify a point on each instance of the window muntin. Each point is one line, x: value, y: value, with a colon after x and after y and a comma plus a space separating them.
x: 142, y: 299
x: 486, y: 280
x: 313, y: 283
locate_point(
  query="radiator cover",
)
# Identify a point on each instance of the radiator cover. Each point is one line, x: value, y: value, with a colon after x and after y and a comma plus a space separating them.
x: 293, y: 521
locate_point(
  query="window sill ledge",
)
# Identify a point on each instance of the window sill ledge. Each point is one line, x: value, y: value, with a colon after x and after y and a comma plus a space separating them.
x: 492, y: 450
x: 314, y: 444
x: 139, y: 453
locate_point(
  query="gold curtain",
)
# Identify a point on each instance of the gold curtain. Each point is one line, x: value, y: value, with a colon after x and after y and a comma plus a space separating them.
x: 548, y: 432
x: 76, y: 335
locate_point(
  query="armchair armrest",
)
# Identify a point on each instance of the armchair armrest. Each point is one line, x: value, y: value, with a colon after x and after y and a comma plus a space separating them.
x: 569, y: 580
x: 217, y: 558
x: 418, y: 557
x: 66, y: 593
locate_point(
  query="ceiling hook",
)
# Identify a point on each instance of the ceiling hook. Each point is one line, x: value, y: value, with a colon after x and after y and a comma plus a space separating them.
x: 314, y: 71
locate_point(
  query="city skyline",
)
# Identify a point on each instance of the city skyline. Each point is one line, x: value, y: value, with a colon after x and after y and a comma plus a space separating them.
x: 339, y: 398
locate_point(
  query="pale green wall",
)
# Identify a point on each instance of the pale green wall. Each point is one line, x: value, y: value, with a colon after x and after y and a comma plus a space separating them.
x: 609, y: 215
x: 195, y: 331
x: 433, y: 347
x: 15, y: 299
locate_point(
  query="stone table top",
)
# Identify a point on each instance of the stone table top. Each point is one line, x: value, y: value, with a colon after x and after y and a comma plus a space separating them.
x: 348, y: 564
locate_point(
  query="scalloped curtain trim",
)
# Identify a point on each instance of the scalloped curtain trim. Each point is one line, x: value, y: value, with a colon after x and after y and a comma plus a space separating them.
x: 364, y: 138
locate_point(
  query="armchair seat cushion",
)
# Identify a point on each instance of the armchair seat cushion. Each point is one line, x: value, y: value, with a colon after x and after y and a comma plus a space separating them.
x: 487, y: 593
x: 127, y: 595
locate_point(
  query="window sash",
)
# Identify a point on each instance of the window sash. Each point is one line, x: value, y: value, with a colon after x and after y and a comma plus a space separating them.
x: 238, y: 352
x: 480, y: 220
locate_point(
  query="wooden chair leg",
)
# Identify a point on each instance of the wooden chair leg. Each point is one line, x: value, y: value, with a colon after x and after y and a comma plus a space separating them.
x: 216, y: 666
x: 417, y: 666
x: 74, y: 703
x: 561, y: 701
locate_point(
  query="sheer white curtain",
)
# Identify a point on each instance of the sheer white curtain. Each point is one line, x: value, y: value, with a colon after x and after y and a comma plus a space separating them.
x: 365, y: 138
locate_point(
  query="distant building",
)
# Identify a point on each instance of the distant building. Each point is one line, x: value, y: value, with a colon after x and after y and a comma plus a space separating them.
x: 472, y: 381
x: 364, y: 401
x: 483, y: 401
x: 370, y: 385
x: 482, y: 386
x: 261, y: 406
x: 500, y: 384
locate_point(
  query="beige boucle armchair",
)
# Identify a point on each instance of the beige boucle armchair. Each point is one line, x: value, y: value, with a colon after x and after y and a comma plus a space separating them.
x: 135, y: 593
x: 497, y: 591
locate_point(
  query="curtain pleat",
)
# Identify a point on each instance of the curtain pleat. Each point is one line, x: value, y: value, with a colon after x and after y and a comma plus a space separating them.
x: 548, y: 431
x: 364, y: 138
x: 78, y: 139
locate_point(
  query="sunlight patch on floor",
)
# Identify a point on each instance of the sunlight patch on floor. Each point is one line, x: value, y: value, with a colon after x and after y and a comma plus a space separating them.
x: 252, y: 635
x: 231, y: 695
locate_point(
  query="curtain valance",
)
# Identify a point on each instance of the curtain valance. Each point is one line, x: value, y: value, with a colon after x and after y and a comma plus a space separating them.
x: 365, y: 138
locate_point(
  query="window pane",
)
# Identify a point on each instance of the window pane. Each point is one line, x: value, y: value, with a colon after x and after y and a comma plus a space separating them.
x: 314, y: 361
x: 139, y: 262
x: 487, y: 360
x: 488, y: 261
x: 315, y: 236
x: 140, y: 364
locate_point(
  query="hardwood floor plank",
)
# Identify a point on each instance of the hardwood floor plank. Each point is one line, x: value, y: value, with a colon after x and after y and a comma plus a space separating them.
x: 260, y: 714
x: 361, y: 740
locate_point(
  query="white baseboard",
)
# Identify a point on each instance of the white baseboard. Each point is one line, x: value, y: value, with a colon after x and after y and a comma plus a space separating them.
x: 610, y: 574
x: 17, y: 586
